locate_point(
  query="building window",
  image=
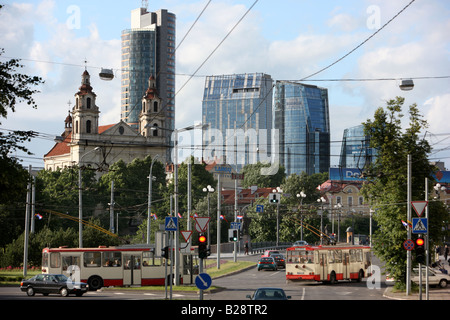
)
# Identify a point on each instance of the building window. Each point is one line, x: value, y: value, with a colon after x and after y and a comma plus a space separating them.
x: 76, y: 127
x: 143, y: 106
x: 88, y: 126
x: 155, y: 131
x: 155, y: 106
x: 88, y: 103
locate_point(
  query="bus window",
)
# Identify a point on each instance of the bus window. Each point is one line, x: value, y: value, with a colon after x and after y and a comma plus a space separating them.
x: 70, y: 261
x: 55, y: 260
x: 338, y: 256
x: 112, y: 259
x: 352, y: 255
x: 149, y: 260
x: 92, y: 259
x: 330, y: 256
x: 131, y: 261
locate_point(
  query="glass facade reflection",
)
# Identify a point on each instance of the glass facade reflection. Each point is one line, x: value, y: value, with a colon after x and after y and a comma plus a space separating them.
x: 148, y: 48
x: 240, y: 101
x: 302, y: 117
x: 355, y: 150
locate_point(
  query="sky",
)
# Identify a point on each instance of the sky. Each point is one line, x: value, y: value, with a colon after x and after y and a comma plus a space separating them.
x: 287, y: 39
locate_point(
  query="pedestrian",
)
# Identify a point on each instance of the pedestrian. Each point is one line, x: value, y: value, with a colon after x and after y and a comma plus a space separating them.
x: 446, y: 253
x: 246, y: 247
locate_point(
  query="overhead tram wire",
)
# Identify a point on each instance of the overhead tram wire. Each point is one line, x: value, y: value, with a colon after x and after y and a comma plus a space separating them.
x: 360, y: 45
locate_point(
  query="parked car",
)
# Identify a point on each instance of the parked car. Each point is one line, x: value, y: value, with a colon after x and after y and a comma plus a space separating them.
x: 435, y: 277
x: 267, y: 263
x: 279, y: 259
x: 53, y: 283
x: 269, y: 294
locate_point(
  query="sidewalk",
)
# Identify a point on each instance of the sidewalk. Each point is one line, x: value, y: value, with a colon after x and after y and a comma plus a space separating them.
x: 435, y: 293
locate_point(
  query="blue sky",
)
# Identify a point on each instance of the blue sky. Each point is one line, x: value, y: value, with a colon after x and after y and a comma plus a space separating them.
x: 288, y: 39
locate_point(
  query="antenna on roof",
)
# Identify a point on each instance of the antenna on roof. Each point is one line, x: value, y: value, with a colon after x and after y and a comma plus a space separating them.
x: 145, y: 4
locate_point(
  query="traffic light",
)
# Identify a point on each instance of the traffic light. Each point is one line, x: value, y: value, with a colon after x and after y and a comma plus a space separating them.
x: 273, y: 198
x: 420, y: 251
x: 165, y: 252
x: 202, y: 246
x: 233, y: 235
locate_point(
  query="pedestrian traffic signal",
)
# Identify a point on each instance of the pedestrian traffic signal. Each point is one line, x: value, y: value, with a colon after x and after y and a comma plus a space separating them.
x: 202, y: 246
x: 420, y: 251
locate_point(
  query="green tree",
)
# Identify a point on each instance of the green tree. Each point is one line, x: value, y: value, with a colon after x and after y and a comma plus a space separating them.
x: 386, y: 184
x: 253, y: 176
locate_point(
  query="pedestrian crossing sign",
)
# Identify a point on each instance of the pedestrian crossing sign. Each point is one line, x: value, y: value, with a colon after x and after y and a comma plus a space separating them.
x: 171, y: 224
x: 420, y: 225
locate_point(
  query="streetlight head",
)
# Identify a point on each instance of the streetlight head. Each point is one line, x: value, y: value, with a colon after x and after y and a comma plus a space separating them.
x: 407, y: 85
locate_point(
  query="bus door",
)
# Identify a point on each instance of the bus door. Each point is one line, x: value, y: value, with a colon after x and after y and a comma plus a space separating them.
x: 131, y: 269
x: 345, y: 265
x: 323, y: 265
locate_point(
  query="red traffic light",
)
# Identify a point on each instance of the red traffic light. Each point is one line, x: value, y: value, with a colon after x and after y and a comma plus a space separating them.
x: 420, y: 242
x: 202, y: 239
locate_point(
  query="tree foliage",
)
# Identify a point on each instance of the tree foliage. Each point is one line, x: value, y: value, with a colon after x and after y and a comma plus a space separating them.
x: 386, y: 185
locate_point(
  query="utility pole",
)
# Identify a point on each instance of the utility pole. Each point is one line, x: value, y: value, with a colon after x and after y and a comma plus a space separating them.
x: 219, y: 199
x: 27, y: 219
x: 408, y: 215
x: 111, y: 209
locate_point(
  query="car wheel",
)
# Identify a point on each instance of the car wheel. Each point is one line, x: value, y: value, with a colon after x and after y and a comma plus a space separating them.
x: 64, y: 292
x: 443, y: 283
x: 30, y: 291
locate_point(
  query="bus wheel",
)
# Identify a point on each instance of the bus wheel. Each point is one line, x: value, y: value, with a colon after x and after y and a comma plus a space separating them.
x: 360, y: 276
x: 95, y: 283
x: 333, y: 277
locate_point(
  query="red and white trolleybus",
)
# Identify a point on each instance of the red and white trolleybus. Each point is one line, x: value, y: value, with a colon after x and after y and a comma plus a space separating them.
x: 328, y: 263
x: 113, y: 266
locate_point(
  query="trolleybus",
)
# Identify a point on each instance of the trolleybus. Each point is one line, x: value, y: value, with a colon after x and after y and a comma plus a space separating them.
x: 114, y: 266
x: 327, y: 263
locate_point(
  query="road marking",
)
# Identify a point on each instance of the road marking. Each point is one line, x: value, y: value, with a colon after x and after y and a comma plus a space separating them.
x: 303, y: 294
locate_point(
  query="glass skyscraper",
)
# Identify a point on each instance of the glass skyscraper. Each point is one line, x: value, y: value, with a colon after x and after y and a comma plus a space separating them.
x: 238, y: 102
x: 302, y: 117
x: 148, y: 48
x: 355, y: 150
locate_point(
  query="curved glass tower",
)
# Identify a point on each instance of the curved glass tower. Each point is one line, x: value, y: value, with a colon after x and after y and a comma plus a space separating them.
x: 302, y: 117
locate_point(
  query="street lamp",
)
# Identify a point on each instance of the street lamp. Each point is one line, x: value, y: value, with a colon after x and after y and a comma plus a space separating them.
x: 406, y: 85
x: 322, y: 200
x: 80, y: 200
x: 150, y: 179
x: 278, y: 190
x: 301, y: 196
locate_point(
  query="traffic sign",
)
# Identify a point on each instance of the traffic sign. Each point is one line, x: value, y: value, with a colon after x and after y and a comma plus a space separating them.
x: 186, y: 235
x: 171, y: 224
x: 420, y: 225
x: 235, y: 225
x: 201, y: 223
x: 203, y: 281
x: 408, y: 244
x: 419, y: 206
x: 259, y: 208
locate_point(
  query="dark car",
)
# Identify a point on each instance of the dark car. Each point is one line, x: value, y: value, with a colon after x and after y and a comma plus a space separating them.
x: 279, y: 259
x: 269, y: 294
x: 53, y: 283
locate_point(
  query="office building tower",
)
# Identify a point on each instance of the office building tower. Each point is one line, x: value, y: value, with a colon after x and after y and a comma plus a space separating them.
x: 302, y: 117
x: 238, y: 105
x: 148, y: 49
x: 355, y: 150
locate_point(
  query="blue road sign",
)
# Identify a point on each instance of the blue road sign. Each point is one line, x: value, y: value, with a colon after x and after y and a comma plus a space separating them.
x: 420, y: 225
x: 171, y: 224
x: 259, y: 208
x: 203, y: 281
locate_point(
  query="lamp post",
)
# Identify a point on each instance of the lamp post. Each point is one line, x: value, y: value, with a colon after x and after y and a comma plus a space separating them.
x: 150, y: 179
x: 80, y: 200
x: 278, y: 190
x: 321, y: 201
x: 301, y: 196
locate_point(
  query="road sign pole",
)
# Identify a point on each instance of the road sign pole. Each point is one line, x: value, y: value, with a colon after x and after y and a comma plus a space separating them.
x: 200, y: 272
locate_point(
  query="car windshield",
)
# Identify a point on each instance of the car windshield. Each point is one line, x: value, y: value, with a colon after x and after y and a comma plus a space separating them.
x: 270, y: 294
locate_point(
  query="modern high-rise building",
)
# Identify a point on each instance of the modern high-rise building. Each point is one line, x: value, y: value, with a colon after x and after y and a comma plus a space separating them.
x: 238, y: 105
x: 302, y: 118
x: 356, y: 151
x: 148, y: 49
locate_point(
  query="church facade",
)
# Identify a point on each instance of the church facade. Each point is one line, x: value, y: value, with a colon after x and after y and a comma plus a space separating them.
x: 86, y: 143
